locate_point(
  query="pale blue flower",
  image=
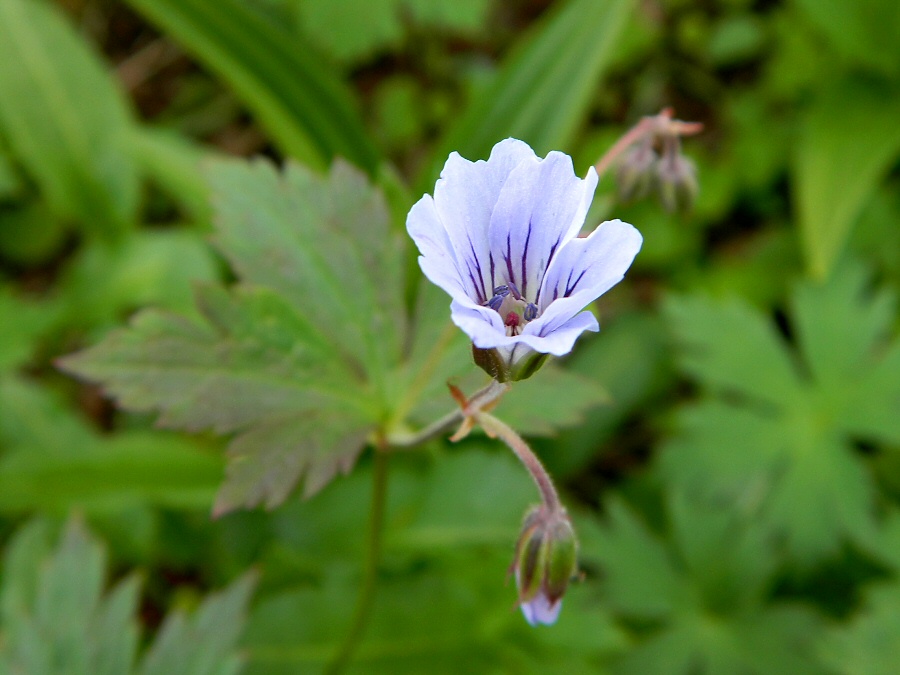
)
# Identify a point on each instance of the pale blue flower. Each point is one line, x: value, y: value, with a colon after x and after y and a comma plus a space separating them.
x: 501, y: 238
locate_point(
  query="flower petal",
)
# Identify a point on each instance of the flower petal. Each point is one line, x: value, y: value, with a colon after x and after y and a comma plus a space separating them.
x: 541, y: 206
x: 561, y: 339
x: 583, y: 270
x: 437, y: 260
x: 482, y: 324
x: 540, y: 610
x: 465, y: 196
x: 485, y: 327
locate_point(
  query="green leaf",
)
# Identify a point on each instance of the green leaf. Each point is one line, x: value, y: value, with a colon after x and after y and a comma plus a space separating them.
x: 298, y: 360
x: 325, y: 245
x: 251, y: 372
x: 303, y: 106
x: 351, y: 30
x: 202, y: 644
x: 558, y: 398
x: 698, y: 599
x: 22, y: 322
x: 632, y: 360
x: 544, y: 88
x: 174, y: 162
x: 848, y: 141
x: 870, y: 643
x: 866, y: 32
x: 439, y: 352
x: 157, y: 267
x: 730, y: 348
x: 65, y: 119
x: 55, y: 462
x: 57, y: 619
x: 775, y: 443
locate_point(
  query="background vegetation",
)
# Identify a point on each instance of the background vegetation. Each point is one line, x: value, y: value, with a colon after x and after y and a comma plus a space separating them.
x: 736, y: 487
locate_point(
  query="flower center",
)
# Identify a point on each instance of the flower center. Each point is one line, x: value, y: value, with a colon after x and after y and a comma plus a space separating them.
x: 514, y: 309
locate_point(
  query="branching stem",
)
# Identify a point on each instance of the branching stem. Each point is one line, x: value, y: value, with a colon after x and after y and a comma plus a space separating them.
x: 484, y: 398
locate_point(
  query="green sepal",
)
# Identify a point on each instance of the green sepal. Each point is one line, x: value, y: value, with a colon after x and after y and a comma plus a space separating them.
x: 561, y: 559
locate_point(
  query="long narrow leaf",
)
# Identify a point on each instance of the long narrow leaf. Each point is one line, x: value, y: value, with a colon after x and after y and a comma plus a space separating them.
x: 64, y: 119
x: 544, y: 88
x: 305, y: 109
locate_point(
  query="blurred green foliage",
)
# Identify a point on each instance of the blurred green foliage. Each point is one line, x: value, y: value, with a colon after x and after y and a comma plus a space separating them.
x: 728, y: 445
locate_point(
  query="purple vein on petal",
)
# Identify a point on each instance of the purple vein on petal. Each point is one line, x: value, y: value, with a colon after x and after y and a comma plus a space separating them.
x: 483, y: 295
x: 571, y: 288
x: 508, y: 258
x: 524, y: 290
x: 547, y: 267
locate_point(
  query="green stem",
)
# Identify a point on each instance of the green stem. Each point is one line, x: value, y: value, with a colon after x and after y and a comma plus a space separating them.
x: 370, y: 573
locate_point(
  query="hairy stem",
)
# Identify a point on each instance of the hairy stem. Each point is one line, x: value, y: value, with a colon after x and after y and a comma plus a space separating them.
x: 495, y: 427
x: 370, y: 573
x: 621, y: 145
x: 481, y: 399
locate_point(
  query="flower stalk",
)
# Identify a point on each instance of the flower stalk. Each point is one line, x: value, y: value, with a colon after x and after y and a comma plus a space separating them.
x: 496, y: 428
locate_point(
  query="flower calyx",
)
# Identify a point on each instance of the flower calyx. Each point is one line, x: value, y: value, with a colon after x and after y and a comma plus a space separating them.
x: 545, y: 562
x: 481, y: 402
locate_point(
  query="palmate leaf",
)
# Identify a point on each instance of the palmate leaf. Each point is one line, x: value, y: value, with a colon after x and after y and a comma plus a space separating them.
x: 56, y: 618
x: 697, y: 601
x: 774, y: 434
x: 296, y: 359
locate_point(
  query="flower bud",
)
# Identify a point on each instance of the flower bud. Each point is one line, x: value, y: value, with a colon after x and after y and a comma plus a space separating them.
x: 676, y: 182
x: 544, y: 563
x: 635, y: 174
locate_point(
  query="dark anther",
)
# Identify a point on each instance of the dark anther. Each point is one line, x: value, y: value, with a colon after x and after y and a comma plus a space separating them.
x: 531, y: 312
x: 500, y: 292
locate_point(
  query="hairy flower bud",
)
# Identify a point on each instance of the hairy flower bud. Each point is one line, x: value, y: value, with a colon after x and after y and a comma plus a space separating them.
x: 676, y: 182
x: 544, y: 563
x: 636, y: 173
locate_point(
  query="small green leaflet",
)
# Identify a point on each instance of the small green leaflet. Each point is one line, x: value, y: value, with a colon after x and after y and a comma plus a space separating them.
x: 56, y: 617
x: 697, y: 603
x: 774, y: 432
